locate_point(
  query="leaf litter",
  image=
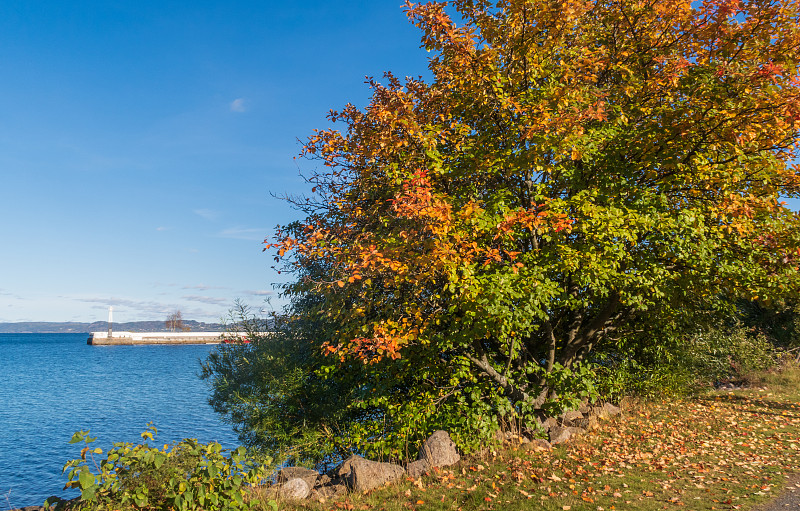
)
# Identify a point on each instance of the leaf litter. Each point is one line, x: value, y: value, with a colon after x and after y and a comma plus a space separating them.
x: 718, y: 451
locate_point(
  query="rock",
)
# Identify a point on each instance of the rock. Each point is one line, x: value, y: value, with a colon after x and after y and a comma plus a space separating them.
x: 588, y: 423
x: 323, y: 480
x: 606, y: 410
x: 538, y: 444
x: 294, y: 489
x: 343, y: 471
x: 560, y: 434
x: 364, y: 475
x: 571, y: 417
x: 549, y: 423
x: 439, y: 450
x: 417, y: 468
x: 329, y: 492
x: 306, y: 474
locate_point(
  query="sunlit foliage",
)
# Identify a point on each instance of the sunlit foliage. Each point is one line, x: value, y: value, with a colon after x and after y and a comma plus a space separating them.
x: 575, y: 170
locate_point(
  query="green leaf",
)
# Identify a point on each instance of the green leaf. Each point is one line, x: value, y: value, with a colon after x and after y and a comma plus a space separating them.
x: 86, y: 479
x: 78, y: 436
x: 159, y: 460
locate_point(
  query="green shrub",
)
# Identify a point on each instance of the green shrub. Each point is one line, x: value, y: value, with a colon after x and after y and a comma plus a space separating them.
x: 274, y: 391
x: 778, y: 321
x: 648, y: 366
x: 186, y: 475
x: 677, y: 361
x: 729, y: 353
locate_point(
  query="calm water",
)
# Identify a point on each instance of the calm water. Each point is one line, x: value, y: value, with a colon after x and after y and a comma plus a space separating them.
x: 52, y: 385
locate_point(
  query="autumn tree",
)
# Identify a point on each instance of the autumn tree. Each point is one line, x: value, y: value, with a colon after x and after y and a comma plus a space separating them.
x: 174, y: 321
x: 573, y: 172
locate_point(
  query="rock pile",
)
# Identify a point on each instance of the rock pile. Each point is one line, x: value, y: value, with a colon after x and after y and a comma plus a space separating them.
x: 359, y: 474
x: 560, y: 429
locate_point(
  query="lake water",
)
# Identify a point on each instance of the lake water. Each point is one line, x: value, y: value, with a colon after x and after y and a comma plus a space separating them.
x: 52, y: 385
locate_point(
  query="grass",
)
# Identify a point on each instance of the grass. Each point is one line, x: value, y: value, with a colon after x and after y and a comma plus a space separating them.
x: 720, y: 450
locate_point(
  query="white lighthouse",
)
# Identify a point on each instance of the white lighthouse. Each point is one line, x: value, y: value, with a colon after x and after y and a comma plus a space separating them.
x: 110, y: 313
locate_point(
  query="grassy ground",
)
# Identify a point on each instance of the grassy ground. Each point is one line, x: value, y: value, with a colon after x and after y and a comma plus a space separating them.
x: 723, y: 450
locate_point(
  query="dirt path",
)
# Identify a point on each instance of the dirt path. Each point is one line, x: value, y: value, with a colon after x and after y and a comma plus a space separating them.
x: 789, y: 498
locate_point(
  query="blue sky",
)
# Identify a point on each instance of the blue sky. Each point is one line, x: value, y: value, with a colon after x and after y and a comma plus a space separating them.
x: 140, y: 141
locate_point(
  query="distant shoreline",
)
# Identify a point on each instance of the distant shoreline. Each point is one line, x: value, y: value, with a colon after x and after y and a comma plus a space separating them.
x: 54, y: 327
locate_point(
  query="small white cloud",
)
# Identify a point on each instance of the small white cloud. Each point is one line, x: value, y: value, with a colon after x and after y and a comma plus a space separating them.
x: 260, y: 292
x: 203, y: 287
x: 162, y: 228
x: 206, y: 299
x: 237, y: 105
x: 208, y: 214
x: 241, y: 233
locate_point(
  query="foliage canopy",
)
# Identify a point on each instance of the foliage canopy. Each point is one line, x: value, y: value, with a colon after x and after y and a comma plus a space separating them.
x: 575, y: 172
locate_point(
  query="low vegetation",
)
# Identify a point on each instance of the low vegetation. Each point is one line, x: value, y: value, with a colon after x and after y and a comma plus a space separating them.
x: 179, y: 477
x: 715, y: 450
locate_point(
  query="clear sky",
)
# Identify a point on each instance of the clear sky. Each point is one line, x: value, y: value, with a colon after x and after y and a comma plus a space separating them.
x: 140, y: 141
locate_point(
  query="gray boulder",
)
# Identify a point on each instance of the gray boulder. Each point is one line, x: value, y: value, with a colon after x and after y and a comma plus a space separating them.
x: 571, y: 417
x: 439, y: 450
x: 343, y: 471
x: 606, y: 410
x: 561, y: 434
x: 537, y: 444
x: 363, y: 475
x: 417, y: 468
x: 323, y: 480
x: 549, y: 423
x: 588, y: 423
x: 306, y: 474
x: 294, y: 489
x: 329, y: 492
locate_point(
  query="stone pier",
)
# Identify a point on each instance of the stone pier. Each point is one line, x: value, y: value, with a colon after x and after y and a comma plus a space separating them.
x: 133, y: 338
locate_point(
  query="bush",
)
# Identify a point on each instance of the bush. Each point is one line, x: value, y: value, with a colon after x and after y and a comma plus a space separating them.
x: 274, y: 392
x: 729, y: 354
x: 679, y: 360
x: 647, y: 365
x: 778, y: 321
x: 186, y: 475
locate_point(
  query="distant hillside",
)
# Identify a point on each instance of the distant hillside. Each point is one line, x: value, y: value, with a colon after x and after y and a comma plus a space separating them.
x: 100, y: 326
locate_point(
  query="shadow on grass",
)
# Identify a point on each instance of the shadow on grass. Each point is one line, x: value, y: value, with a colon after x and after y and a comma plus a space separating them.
x: 757, y: 405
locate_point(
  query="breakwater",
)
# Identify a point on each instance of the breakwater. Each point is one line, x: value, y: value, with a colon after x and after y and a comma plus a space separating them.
x: 134, y: 338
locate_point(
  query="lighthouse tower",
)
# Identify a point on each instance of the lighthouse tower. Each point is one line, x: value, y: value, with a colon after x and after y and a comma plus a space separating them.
x: 110, y: 311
